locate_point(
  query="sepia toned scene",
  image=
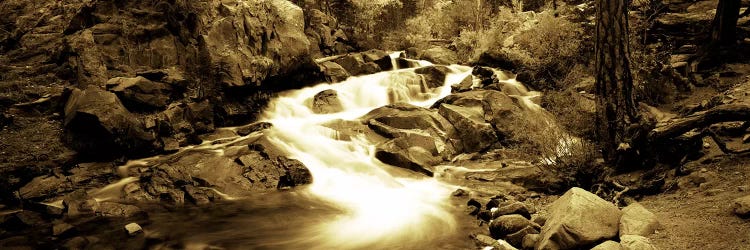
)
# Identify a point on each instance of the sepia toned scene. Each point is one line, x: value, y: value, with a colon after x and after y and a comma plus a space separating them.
x: 375, y: 124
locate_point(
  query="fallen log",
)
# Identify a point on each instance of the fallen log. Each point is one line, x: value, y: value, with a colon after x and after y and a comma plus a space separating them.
x: 678, y: 126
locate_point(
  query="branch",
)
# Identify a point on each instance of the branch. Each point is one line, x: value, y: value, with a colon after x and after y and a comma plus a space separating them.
x: 718, y: 114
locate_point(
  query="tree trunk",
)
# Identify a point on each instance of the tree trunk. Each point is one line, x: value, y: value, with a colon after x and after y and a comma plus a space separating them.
x: 724, y: 26
x: 615, y: 107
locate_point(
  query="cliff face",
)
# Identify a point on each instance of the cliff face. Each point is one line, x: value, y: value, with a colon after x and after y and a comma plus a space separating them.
x: 179, y: 68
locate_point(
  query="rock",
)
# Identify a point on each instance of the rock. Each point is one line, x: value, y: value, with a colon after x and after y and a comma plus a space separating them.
x: 636, y: 242
x: 459, y: 193
x: 333, y: 72
x: 133, y: 228
x: 77, y: 242
x: 78, y: 203
x: 379, y: 57
x: 484, y: 241
x: 173, y: 76
x: 88, y: 63
x: 637, y: 220
x: 741, y: 206
x: 464, y: 85
x: 513, y: 208
x: 403, y: 153
x: 516, y: 239
x: 439, y: 55
x: 539, y: 219
x: 476, y: 134
x: 326, y: 102
x: 579, y: 218
x: 352, y: 63
x: 253, y: 127
x: 59, y: 229
x: 43, y: 187
x: 140, y: 93
x: 434, y: 76
x: 112, y: 209
x: 27, y: 218
x: 529, y: 241
x: 608, y: 245
x: 97, y: 124
x: 509, y: 224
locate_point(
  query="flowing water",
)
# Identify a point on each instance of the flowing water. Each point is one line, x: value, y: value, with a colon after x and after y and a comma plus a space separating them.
x: 354, y: 202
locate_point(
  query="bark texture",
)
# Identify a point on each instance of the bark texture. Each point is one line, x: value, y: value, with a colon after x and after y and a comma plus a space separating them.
x: 616, y: 109
x: 724, y: 27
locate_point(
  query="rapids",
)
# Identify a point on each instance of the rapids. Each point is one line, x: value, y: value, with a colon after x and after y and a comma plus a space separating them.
x: 354, y: 202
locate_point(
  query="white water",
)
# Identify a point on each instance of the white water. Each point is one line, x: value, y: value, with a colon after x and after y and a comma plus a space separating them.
x: 379, y: 207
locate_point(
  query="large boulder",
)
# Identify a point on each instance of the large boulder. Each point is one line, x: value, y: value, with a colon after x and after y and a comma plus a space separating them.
x: 440, y: 55
x: 97, y: 124
x: 637, y: 220
x: 497, y: 108
x: 434, y: 76
x: 506, y: 225
x: 476, y: 134
x: 608, y: 245
x: 579, y: 219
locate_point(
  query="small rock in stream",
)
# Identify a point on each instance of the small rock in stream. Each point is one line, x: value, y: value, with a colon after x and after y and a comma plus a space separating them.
x: 133, y: 229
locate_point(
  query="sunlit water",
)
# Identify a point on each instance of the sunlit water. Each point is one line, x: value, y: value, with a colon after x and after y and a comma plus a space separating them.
x: 354, y: 202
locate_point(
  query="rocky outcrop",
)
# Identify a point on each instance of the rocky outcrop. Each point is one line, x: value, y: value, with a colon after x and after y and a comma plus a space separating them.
x: 326, y: 102
x: 140, y: 93
x: 325, y: 36
x: 476, y: 134
x: 579, y: 219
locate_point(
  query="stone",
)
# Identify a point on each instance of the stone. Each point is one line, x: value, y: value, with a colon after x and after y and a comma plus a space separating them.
x: 43, y: 187
x: 439, y: 55
x: 476, y: 135
x: 636, y: 242
x: 464, y: 85
x: 59, y: 229
x: 352, y: 63
x: 133, y: 228
x: 253, y: 127
x: 333, y: 72
x: 637, y: 220
x: 579, y: 218
x: 78, y: 203
x: 485, y: 241
x: 113, y: 209
x: 139, y: 93
x: 434, y: 76
x: 509, y: 224
x: 326, y: 102
x: 513, y: 208
x: 516, y: 239
x: 77, y: 242
x: 741, y: 206
x: 608, y: 245
x: 97, y: 124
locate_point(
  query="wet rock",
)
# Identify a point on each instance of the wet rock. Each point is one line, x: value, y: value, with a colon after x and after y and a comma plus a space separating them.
x: 579, y: 218
x: 326, y: 102
x: 139, y: 93
x: 459, y: 193
x: 27, y: 218
x: 741, y: 206
x: 62, y: 228
x: 513, y: 208
x: 79, y: 203
x: 253, y: 127
x: 113, y: 209
x: 403, y: 63
x: 476, y: 134
x: 464, y: 85
x: 434, y: 76
x: 97, y: 124
x: 352, y: 63
x: 504, y: 225
x: 439, y: 55
x: 636, y: 242
x: 133, y: 228
x: 608, y: 245
x: 399, y: 152
x: 637, y: 220
x: 379, y: 58
x: 333, y: 72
